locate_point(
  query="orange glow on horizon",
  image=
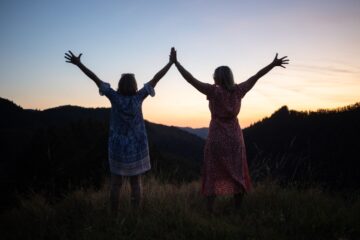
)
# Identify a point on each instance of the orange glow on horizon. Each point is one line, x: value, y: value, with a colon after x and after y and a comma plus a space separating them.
x: 249, y: 114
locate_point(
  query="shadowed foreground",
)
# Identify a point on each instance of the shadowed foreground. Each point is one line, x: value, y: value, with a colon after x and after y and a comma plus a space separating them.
x: 178, y: 212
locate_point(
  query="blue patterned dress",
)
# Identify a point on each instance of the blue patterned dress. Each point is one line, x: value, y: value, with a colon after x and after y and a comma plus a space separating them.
x: 128, y: 150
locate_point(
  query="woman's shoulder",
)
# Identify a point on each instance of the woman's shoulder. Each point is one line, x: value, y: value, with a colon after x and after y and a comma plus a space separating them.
x: 223, y: 90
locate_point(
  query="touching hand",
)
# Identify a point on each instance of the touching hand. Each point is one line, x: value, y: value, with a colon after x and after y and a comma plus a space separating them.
x: 71, y: 58
x: 280, y: 61
x: 173, y: 58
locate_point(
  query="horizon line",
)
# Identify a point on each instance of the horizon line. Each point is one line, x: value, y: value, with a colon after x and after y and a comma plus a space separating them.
x: 304, y: 111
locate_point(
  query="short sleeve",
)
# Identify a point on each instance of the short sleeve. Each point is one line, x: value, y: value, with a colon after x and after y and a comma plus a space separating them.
x: 105, y: 89
x: 145, y: 91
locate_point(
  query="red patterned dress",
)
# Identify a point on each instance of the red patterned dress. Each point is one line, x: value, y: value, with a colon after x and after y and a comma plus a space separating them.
x: 225, y: 169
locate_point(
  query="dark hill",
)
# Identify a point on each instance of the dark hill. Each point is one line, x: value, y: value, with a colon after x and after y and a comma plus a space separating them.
x: 8, y: 106
x: 180, y: 151
x: 58, y: 149
x: 200, y: 132
x: 318, y: 147
x: 66, y: 147
x: 314, y: 147
x: 10, y: 113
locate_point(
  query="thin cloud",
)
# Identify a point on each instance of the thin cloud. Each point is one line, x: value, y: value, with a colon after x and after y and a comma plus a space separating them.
x: 326, y: 69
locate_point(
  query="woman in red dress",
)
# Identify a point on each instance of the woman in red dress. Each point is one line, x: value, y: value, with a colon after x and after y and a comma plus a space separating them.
x: 225, y: 169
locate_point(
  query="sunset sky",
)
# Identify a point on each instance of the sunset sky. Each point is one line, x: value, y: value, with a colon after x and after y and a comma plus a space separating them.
x: 321, y: 38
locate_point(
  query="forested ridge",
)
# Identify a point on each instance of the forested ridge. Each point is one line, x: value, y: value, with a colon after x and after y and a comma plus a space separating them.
x: 64, y: 148
x: 315, y: 147
x: 61, y: 149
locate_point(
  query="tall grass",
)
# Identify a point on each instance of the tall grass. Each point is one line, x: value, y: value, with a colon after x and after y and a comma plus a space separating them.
x: 178, y: 212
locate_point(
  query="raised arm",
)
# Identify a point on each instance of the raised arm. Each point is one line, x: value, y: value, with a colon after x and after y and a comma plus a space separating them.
x: 277, y: 62
x: 200, y: 86
x: 160, y: 74
x: 71, y: 58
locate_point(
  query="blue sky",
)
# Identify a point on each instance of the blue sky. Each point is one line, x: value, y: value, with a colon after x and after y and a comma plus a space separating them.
x: 321, y: 38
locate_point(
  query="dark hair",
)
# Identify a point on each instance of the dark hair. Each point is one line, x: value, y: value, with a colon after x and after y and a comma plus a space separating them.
x: 127, y: 84
x: 223, y: 76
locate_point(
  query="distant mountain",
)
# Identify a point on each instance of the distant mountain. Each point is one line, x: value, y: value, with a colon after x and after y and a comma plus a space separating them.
x: 62, y: 148
x: 200, y: 132
x: 307, y: 147
x: 8, y: 106
x: 180, y: 152
x: 66, y: 147
x: 318, y: 147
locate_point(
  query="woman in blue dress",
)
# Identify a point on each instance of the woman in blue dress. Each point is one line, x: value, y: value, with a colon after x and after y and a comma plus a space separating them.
x: 128, y: 150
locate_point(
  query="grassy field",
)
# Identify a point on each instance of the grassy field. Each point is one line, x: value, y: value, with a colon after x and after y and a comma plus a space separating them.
x: 178, y: 212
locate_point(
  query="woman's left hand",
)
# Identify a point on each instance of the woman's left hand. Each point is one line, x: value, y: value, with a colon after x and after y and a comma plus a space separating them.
x: 280, y: 61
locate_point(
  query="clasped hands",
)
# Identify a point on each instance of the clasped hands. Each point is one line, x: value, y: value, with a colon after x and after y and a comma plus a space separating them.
x: 173, y: 57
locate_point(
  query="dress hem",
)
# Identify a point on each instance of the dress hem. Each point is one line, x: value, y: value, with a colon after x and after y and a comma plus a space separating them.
x: 130, y: 169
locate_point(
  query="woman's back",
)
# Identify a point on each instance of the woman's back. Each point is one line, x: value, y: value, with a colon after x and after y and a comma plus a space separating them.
x: 127, y: 137
x: 225, y: 168
x: 126, y: 113
x: 225, y: 104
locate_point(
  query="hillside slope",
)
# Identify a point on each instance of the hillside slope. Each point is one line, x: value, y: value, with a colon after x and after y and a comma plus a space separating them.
x: 62, y: 148
x: 309, y: 147
x: 305, y: 147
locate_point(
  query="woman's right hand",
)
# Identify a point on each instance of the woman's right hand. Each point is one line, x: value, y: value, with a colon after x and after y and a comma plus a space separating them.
x: 71, y: 58
x: 173, y: 58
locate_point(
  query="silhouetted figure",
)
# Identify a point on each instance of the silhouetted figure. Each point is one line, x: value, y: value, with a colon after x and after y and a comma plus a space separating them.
x: 225, y: 169
x: 128, y: 150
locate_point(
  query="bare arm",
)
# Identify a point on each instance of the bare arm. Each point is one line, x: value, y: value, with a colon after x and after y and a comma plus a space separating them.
x: 200, y: 86
x: 71, y: 58
x: 276, y: 62
x: 160, y: 74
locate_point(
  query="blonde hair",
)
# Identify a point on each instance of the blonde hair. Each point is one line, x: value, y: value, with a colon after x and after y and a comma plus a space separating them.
x: 223, y: 76
x: 127, y: 84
